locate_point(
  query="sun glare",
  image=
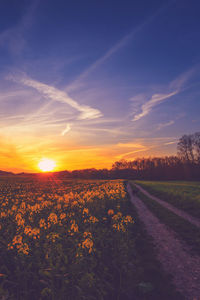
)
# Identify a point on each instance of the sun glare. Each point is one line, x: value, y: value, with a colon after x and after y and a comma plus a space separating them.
x: 46, y: 165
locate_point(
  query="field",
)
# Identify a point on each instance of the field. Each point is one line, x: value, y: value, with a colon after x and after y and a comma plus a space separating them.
x: 63, y: 239
x: 182, y: 194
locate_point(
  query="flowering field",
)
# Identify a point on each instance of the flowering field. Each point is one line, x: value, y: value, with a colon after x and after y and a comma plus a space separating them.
x: 68, y: 239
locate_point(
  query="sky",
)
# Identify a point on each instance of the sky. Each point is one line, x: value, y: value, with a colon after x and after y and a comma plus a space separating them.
x: 87, y: 83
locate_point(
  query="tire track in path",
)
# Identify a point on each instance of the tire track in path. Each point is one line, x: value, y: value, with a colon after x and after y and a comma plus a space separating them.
x: 172, y: 253
x: 175, y: 210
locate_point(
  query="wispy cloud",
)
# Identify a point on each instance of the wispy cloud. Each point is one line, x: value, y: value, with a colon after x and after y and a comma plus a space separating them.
x: 134, y: 147
x: 86, y: 112
x: 66, y: 130
x: 130, y: 145
x: 171, y: 143
x: 120, y: 44
x: 162, y: 125
x: 10, y: 95
x: 180, y: 81
x: 155, y: 99
x: 175, y: 87
x: 129, y: 155
x: 147, y: 146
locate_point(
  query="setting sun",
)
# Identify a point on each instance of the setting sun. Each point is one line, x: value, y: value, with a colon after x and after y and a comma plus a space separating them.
x: 46, y: 165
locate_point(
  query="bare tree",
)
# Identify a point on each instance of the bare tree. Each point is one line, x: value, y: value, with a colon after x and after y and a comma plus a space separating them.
x: 186, y: 148
x: 196, y: 141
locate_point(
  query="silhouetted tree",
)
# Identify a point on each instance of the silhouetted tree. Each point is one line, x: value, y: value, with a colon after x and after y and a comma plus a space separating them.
x: 186, y: 148
x: 196, y: 141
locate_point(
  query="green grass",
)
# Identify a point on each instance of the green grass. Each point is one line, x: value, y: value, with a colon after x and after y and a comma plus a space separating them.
x: 184, y: 195
x: 187, y: 231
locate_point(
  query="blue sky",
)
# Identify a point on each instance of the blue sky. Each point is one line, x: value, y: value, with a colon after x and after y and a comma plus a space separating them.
x: 91, y: 82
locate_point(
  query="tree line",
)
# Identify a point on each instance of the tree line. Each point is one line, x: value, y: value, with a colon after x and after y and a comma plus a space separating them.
x: 183, y: 166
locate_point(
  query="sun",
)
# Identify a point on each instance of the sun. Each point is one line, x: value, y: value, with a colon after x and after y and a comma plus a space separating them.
x: 46, y: 165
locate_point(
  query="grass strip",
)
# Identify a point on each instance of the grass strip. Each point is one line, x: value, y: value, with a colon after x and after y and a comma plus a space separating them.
x: 184, y: 196
x: 187, y: 231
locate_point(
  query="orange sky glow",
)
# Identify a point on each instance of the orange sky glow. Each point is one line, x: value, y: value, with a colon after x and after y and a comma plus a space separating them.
x: 86, y: 93
x: 24, y: 155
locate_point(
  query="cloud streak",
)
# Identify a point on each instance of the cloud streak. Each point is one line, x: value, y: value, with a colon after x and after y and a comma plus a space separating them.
x: 162, y: 125
x: 66, y: 130
x: 171, y: 143
x: 178, y: 85
x: 86, y: 112
x: 155, y: 100
x: 120, y: 44
x: 180, y: 81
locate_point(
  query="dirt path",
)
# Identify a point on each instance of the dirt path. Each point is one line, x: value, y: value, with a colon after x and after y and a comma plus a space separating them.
x: 172, y: 253
x: 177, y: 211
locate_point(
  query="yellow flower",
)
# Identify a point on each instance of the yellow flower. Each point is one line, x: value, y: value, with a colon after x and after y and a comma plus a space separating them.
x: 27, y: 230
x: 119, y: 227
x: 128, y: 219
x: 110, y: 212
x: 17, y: 239
x: 74, y: 226
x: 42, y: 223
x: 53, y: 218
x: 88, y: 243
x: 19, y: 220
x: 87, y: 234
x: 24, y: 249
x: 86, y: 211
x: 93, y: 219
x: 23, y: 205
x: 52, y: 236
x: 36, y: 232
x: 62, y: 216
